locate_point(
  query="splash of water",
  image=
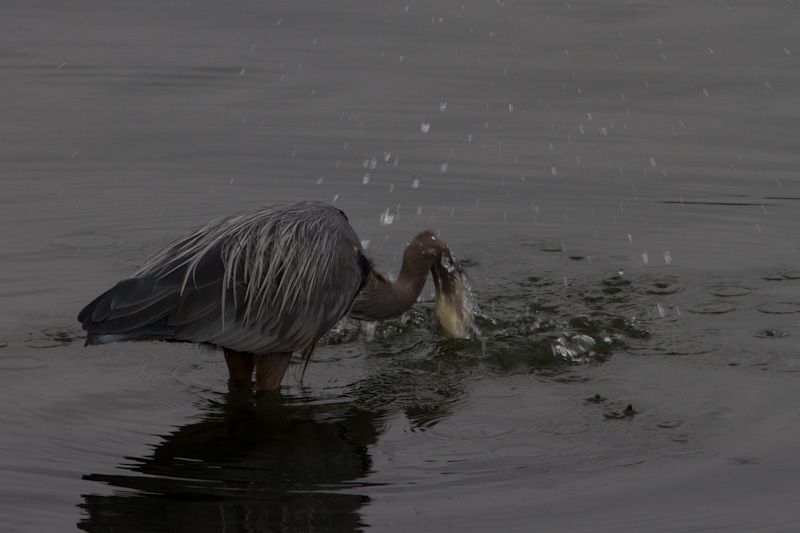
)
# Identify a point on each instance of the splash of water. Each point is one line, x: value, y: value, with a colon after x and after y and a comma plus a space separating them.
x: 574, y: 347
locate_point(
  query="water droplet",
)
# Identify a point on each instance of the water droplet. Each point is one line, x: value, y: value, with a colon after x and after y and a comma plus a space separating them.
x: 667, y: 257
x: 387, y: 155
x: 369, y: 329
x: 365, y: 179
x: 365, y: 244
x: 319, y: 180
x: 553, y: 170
x: 645, y: 259
x: 443, y: 167
x: 510, y: 108
x: 425, y: 127
x: 415, y: 183
x: 442, y: 106
x: 386, y: 217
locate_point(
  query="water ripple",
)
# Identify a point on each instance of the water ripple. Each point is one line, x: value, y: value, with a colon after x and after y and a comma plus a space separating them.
x: 781, y: 274
x: 779, y: 308
x: 85, y: 240
x: 729, y: 291
x: 21, y: 362
x: 712, y: 308
x: 54, y: 338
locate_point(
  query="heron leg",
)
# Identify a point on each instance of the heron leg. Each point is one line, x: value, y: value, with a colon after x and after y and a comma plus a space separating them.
x: 240, y: 365
x: 270, y: 369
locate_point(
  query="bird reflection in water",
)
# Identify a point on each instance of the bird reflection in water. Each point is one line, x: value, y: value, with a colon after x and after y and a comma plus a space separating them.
x: 270, y: 465
x: 283, y: 462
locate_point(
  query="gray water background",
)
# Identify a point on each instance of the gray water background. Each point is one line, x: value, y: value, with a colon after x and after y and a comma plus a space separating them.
x: 620, y: 180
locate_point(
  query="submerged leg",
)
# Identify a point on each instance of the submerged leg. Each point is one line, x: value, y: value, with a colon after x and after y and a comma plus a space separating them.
x: 270, y: 369
x: 240, y: 365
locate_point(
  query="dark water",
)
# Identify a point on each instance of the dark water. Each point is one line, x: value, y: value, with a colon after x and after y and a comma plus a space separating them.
x: 619, y: 178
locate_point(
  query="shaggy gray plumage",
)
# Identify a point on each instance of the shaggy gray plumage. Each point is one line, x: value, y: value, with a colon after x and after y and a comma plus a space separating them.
x: 266, y: 280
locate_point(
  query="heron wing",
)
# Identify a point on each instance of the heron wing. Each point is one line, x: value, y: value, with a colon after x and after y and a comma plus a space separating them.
x: 133, y: 308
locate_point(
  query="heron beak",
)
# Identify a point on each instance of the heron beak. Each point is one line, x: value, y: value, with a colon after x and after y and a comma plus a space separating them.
x: 452, y: 299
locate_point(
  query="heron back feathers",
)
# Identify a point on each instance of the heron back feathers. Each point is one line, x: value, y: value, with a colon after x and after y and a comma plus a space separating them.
x: 263, y: 280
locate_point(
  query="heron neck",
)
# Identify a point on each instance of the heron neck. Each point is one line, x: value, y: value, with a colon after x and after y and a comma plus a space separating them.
x: 414, y: 272
x: 382, y: 298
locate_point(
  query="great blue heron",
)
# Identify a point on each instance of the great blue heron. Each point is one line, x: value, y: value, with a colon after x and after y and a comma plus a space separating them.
x: 266, y: 282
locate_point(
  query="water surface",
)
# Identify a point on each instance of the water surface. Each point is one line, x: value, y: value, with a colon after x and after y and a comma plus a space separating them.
x: 619, y: 180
